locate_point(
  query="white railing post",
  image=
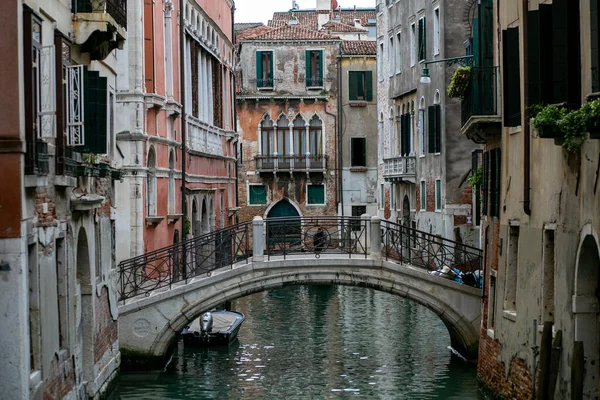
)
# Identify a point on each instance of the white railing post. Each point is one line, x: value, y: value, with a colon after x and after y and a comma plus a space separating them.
x: 375, y: 238
x: 258, y: 248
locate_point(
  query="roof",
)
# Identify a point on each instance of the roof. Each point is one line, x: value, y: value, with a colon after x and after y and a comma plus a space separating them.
x: 309, y: 18
x: 250, y: 32
x: 240, y: 26
x: 291, y: 32
x: 337, y: 27
x: 359, y: 48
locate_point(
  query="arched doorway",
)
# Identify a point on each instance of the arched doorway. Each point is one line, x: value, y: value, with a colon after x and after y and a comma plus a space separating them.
x: 205, y: 218
x: 288, y: 229
x: 587, y: 322
x: 84, y: 280
x: 406, y: 211
x: 195, y: 219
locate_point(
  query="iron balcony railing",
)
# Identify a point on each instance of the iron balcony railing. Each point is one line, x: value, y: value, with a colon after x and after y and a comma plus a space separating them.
x: 400, y: 167
x: 115, y: 8
x: 264, y: 83
x: 42, y: 157
x: 481, y: 96
x: 425, y: 250
x: 314, y: 82
x: 279, y: 163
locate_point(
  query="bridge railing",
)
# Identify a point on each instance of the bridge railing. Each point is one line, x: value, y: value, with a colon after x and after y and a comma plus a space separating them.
x: 425, y: 250
x: 162, y: 268
x: 341, y: 235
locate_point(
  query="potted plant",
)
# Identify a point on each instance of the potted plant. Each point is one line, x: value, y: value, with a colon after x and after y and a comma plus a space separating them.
x: 116, y: 174
x: 574, y: 125
x: 459, y: 84
x: 104, y: 169
x: 476, y: 177
x: 591, y: 110
x: 84, y: 170
x: 547, y: 121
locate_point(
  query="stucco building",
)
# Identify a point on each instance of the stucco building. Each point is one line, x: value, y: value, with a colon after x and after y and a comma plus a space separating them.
x: 540, y: 202
x: 58, y: 286
x: 424, y: 160
x: 296, y: 127
x: 180, y: 179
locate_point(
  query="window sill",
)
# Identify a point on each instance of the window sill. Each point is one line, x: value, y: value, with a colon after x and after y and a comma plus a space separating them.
x: 265, y: 88
x: 510, y: 315
x: 36, y: 180
x: 315, y: 205
x: 314, y: 88
x: 65, y: 180
x: 512, y: 130
x: 257, y: 205
x: 153, y: 220
x: 172, y: 218
x: 358, y: 103
x: 358, y: 169
x: 437, y: 154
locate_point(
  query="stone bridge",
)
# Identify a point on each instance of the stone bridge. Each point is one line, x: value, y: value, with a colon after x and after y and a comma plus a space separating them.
x: 163, y: 291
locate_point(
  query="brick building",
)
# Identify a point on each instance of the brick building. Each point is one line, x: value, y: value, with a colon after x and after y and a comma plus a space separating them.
x: 540, y: 200
x: 58, y: 286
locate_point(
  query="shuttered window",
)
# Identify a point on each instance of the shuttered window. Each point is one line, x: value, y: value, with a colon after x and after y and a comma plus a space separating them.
x: 595, y: 44
x: 566, y: 51
x: 360, y: 85
x: 434, y: 116
x: 512, y: 77
x: 485, y: 182
x: 358, y: 150
x: 476, y: 189
x: 492, y: 175
x: 533, y: 58
x: 95, y: 113
x: 149, y: 46
x: 257, y: 194
x: 438, y: 195
x: 316, y: 194
x: 422, y: 39
x: 314, y: 68
x: 264, y: 69
x: 405, y: 134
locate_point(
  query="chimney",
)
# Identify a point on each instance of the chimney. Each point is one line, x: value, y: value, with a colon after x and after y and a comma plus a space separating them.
x: 323, y: 12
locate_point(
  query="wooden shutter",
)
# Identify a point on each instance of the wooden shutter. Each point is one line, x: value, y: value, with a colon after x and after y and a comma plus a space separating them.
x: 566, y: 51
x: 486, y: 33
x: 533, y: 58
x: 431, y: 129
x: 484, y: 188
x: 47, y: 93
x: 95, y: 114
x: 149, y: 46
x: 369, y: 85
x: 595, y: 45
x: 498, y: 175
x: 308, y: 69
x: 438, y: 128
x: 353, y: 85
x: 75, y: 105
x: 271, y: 70
x: 316, y: 194
x: 320, y: 64
x: 512, y: 77
x: 259, y: 72
x: 403, y: 128
x: 546, y: 69
x: 421, y: 28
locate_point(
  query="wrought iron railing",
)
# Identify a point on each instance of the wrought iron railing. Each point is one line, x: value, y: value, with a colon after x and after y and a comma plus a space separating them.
x: 264, y: 82
x: 317, y: 235
x: 314, y: 82
x: 179, y: 263
x: 115, y: 8
x: 42, y: 158
x: 269, y: 163
x: 426, y: 250
x: 480, y: 98
x: 400, y: 167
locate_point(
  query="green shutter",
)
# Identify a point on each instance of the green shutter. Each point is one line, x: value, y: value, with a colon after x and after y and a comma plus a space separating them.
x: 258, y: 194
x: 95, y: 112
x: 353, y: 85
x: 595, y: 45
x: 486, y: 33
x: 497, y: 183
x: 438, y: 128
x: 424, y: 40
x: 560, y: 51
x: 316, y: 194
x: 308, y: 71
x: 421, y: 40
x: 364, y: 152
x: 476, y: 42
x: 546, y: 73
x: 369, y: 85
x: 259, y: 73
x: 320, y: 55
x: 512, y: 77
x: 484, y: 186
x: 533, y: 58
x: 431, y: 129
x: 271, y: 70
x: 403, y: 128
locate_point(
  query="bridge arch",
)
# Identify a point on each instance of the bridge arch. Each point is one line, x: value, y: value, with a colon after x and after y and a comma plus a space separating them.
x: 458, y: 306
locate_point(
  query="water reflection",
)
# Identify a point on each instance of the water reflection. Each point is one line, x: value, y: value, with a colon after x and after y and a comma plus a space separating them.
x: 318, y: 342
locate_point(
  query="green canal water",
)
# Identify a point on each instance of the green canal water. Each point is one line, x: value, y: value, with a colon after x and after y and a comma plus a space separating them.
x: 318, y: 342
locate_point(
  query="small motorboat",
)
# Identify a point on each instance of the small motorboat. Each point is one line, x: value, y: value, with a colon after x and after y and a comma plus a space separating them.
x: 213, y: 328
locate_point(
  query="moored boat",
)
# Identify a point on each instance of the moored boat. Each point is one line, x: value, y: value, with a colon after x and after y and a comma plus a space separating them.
x: 213, y: 328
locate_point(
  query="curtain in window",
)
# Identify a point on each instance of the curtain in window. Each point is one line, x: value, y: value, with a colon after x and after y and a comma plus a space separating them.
x: 299, y: 136
x: 267, y: 138
x: 282, y: 136
x: 315, y: 136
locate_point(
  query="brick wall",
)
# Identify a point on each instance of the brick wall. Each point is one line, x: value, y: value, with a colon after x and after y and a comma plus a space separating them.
x: 61, y: 379
x: 106, y: 330
x: 44, y: 195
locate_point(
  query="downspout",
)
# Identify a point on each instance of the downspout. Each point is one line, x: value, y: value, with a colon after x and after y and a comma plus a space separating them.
x: 183, y: 116
x: 526, y: 133
x: 234, y: 103
x: 339, y: 153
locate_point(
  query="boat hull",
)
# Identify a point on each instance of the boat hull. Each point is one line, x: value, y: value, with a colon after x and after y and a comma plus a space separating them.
x: 221, y: 336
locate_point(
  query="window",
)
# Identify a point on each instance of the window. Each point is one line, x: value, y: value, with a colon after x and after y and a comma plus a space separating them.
x: 548, y: 282
x: 438, y: 195
x: 512, y: 77
x: 492, y: 303
x: 358, y: 150
x: 360, y: 85
x: 315, y: 136
x: 257, y: 194
x: 315, y: 194
x: 422, y: 131
x: 314, y: 68
x: 380, y: 65
x: 299, y: 136
x: 595, y: 43
x: 435, y: 129
x: 436, y: 31
x: 413, y: 44
x: 491, y: 183
x: 283, y: 134
x: 512, y: 261
x: 398, y: 53
x: 357, y: 211
x: 422, y: 40
x: 405, y: 134
x: 171, y: 197
x: 391, y: 55
x: 423, y: 197
x: 264, y: 69
x: 267, y: 133
x: 151, y: 183
x: 392, y: 189
x: 382, y: 199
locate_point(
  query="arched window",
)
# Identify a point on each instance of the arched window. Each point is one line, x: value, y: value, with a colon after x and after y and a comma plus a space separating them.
x: 151, y: 183
x: 267, y: 137
x: 421, y: 126
x: 299, y: 136
x: 315, y: 136
x: 392, y: 146
x: 283, y: 132
x: 172, y: 183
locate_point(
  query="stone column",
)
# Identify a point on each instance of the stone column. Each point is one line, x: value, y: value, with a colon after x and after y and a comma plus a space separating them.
x: 258, y: 248
x: 375, y: 241
x: 365, y: 240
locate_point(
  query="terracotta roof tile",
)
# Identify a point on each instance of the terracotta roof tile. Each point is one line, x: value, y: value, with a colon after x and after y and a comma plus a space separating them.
x: 251, y: 32
x: 359, y: 47
x: 336, y: 27
x: 291, y: 32
x: 309, y: 18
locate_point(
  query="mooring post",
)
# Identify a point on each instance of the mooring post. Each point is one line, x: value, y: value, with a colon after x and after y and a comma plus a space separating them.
x: 375, y: 238
x: 258, y: 248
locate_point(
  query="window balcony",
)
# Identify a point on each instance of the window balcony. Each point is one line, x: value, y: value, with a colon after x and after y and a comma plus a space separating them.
x: 314, y: 83
x: 204, y: 138
x: 479, y: 110
x: 400, y: 169
x: 264, y: 84
x: 100, y: 26
x: 277, y: 163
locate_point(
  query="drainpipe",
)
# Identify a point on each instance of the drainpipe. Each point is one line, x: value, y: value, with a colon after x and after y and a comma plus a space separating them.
x: 526, y: 135
x: 234, y: 103
x: 183, y: 116
x: 339, y: 193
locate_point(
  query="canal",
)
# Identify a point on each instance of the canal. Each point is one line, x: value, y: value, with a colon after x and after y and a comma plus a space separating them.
x: 318, y: 342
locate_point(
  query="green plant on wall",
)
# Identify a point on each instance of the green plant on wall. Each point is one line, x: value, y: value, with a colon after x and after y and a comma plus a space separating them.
x: 187, y: 226
x: 547, y: 119
x: 459, y: 84
x: 476, y: 177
